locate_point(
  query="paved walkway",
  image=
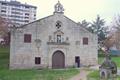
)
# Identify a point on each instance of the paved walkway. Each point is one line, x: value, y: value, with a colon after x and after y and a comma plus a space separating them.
x: 81, y: 76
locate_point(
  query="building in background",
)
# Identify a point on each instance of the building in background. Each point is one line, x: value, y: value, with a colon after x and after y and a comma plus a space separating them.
x: 17, y: 13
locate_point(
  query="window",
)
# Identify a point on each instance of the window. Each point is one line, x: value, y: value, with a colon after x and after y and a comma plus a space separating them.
x: 26, y: 6
x: 37, y: 60
x: 58, y: 38
x: 85, y: 41
x: 26, y: 17
x: 4, y: 3
x: 27, y: 21
x: 27, y: 38
x: 3, y: 15
x: 3, y: 7
x: 34, y: 18
x: 13, y: 12
x: 27, y: 14
x: 58, y: 24
x: 3, y: 11
x: 34, y: 14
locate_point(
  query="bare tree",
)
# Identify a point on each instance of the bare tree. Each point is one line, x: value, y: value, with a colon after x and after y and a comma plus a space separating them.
x: 3, y: 27
x: 4, y: 31
x: 109, y: 41
x: 116, y: 33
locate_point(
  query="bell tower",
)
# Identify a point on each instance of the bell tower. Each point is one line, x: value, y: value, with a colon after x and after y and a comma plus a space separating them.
x: 59, y: 8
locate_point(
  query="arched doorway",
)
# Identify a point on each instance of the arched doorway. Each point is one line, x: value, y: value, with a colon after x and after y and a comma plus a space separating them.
x: 58, y: 60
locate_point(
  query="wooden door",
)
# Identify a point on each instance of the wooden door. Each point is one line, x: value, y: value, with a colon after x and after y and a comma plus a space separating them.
x: 58, y: 60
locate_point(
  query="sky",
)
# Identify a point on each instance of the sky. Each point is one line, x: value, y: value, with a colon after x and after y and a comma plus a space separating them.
x: 78, y: 10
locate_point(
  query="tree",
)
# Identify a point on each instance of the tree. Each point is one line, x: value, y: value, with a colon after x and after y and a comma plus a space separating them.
x: 116, y: 24
x: 4, y: 32
x: 116, y: 33
x: 84, y: 24
x: 109, y: 41
x: 3, y: 27
x: 98, y: 27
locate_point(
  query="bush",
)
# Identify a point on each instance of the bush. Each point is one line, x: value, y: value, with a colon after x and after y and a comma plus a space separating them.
x: 102, y: 54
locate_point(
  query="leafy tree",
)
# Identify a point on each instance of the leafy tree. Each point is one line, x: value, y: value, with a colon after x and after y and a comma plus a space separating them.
x: 84, y: 24
x: 98, y: 27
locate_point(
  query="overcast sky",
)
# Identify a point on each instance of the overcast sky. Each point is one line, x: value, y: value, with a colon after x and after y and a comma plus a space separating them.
x: 78, y: 10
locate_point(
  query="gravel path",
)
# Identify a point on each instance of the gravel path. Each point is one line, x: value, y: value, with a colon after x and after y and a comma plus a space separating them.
x: 81, y: 76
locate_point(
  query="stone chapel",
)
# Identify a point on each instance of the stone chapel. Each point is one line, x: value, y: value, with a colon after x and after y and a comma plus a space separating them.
x: 54, y: 41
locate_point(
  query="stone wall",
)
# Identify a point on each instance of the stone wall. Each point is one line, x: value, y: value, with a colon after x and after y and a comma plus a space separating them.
x: 22, y: 54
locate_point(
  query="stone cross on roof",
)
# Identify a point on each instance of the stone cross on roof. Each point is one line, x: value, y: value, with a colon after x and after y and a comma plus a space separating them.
x: 59, y: 8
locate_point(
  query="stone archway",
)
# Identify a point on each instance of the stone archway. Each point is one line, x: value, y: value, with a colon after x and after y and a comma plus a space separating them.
x: 58, y: 60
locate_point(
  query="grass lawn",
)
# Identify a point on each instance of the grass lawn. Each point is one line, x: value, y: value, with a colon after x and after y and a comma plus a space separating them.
x: 115, y: 59
x: 45, y: 74
x: 101, y: 58
x: 94, y: 75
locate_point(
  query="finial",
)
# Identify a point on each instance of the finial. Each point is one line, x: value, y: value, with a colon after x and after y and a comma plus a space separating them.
x: 59, y: 8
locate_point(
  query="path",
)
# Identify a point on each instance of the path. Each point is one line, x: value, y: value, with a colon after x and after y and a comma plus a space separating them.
x: 81, y: 76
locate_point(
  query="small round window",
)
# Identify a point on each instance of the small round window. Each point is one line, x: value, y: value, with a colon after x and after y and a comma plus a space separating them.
x: 58, y: 24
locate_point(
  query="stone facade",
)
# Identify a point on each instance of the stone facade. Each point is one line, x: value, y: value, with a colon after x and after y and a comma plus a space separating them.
x: 53, y: 33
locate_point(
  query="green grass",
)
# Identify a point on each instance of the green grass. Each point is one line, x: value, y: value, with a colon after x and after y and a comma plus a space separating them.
x: 115, y: 59
x: 36, y: 74
x: 4, y: 57
x: 94, y: 75
x: 45, y: 74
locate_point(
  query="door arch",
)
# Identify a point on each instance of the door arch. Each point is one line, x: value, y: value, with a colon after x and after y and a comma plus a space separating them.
x: 58, y: 60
